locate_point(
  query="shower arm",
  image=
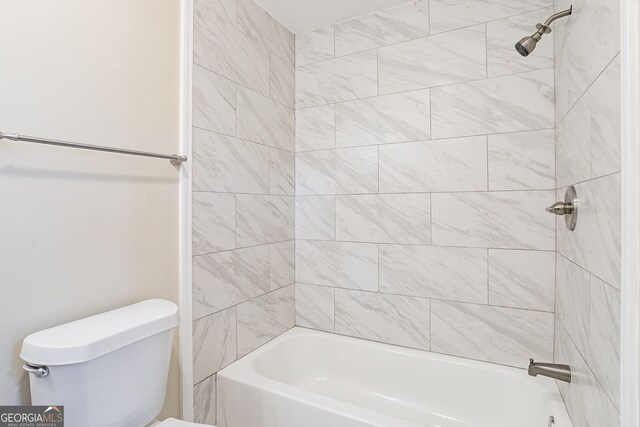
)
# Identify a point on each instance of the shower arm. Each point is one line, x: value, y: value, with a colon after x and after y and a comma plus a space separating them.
x: 545, y: 27
x: 526, y: 45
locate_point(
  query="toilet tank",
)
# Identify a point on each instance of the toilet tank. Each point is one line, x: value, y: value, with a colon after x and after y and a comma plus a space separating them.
x: 108, y: 370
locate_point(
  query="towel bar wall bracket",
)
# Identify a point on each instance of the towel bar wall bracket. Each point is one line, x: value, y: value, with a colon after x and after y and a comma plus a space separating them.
x: 175, y: 159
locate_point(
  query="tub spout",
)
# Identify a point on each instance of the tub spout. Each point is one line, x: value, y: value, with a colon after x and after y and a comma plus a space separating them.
x: 551, y: 370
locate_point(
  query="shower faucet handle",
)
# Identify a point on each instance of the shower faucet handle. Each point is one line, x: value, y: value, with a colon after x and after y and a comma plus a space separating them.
x: 561, y: 208
x: 567, y: 208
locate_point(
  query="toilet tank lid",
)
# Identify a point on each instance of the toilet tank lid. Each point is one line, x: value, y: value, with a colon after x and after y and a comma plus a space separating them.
x: 94, y: 336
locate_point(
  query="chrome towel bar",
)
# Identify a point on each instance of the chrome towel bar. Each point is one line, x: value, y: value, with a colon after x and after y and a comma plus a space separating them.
x: 175, y: 159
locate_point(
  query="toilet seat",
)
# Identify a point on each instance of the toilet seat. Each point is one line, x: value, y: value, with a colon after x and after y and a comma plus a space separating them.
x: 172, y: 422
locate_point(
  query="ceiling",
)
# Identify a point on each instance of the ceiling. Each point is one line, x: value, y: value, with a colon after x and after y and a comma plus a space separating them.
x: 305, y: 15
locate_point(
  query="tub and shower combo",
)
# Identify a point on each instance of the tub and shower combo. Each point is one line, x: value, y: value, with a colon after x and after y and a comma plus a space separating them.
x: 306, y: 378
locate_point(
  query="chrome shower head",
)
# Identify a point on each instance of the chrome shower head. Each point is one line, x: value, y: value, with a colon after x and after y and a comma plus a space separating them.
x: 526, y: 45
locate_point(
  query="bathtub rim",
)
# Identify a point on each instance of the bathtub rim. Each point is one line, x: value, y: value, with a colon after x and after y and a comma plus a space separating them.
x: 244, y: 371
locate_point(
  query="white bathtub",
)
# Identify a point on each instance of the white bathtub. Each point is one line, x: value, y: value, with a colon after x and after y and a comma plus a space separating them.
x: 306, y: 378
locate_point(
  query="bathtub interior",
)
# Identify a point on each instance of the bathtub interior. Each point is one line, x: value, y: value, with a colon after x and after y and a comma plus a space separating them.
x: 414, y: 386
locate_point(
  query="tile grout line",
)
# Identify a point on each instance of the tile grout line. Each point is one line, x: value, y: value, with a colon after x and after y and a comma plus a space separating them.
x: 421, y: 297
x: 430, y: 116
x: 378, y: 267
x: 430, y: 34
x: 378, y: 170
x: 488, y: 163
x: 235, y: 220
x: 430, y: 325
x: 440, y: 86
x: 573, y: 105
x: 488, y: 277
x: 584, y: 359
x: 262, y: 144
x: 419, y: 245
x: 244, y: 86
x: 587, y: 271
x: 334, y: 309
x: 378, y: 71
x: 443, y: 138
x: 239, y: 248
x: 431, y: 219
x: 475, y: 191
x: 486, y: 50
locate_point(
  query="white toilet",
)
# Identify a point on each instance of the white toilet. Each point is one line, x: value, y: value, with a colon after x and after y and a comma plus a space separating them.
x: 108, y: 370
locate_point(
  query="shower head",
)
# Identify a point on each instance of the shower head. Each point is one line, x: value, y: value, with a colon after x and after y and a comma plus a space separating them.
x: 526, y: 45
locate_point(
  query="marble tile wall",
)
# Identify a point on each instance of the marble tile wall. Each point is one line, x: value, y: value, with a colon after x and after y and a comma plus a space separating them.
x: 588, y: 259
x: 243, y: 188
x: 425, y: 156
x: 410, y: 153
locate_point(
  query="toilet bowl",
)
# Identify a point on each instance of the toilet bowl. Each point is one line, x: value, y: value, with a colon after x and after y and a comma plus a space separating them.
x: 107, y: 370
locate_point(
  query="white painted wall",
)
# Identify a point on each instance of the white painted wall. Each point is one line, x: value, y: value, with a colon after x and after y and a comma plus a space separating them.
x: 84, y: 232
